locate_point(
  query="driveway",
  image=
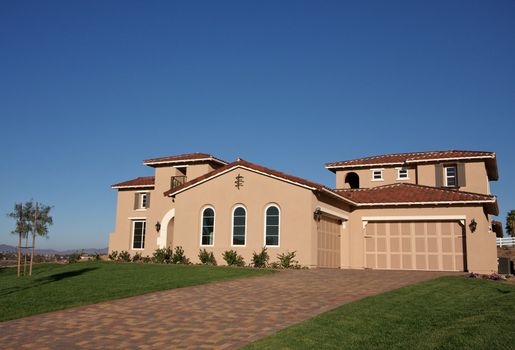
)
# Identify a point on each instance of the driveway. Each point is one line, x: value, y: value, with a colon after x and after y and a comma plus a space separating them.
x: 220, y: 315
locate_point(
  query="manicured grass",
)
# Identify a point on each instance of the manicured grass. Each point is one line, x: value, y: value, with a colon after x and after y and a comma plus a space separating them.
x: 446, y: 313
x: 54, y: 287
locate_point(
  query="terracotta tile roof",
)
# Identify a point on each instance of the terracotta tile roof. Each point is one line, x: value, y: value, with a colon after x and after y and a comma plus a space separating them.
x: 258, y: 168
x: 403, y: 193
x: 184, y: 158
x: 144, y: 181
x: 415, y: 157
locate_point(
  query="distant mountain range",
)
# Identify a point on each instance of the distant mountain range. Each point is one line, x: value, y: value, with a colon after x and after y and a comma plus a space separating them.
x: 11, y: 249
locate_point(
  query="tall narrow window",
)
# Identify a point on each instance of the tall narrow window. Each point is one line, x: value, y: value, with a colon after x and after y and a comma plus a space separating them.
x: 239, y: 223
x: 138, y: 234
x: 450, y: 176
x: 272, y: 222
x: 208, y: 226
x: 143, y: 200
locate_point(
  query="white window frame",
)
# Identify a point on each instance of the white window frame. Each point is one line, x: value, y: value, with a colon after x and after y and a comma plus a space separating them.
x: 455, y: 176
x: 232, y: 226
x: 278, y: 226
x: 134, y: 231
x: 140, y: 200
x: 399, y: 174
x: 202, y: 225
x: 381, y: 171
x: 143, y: 195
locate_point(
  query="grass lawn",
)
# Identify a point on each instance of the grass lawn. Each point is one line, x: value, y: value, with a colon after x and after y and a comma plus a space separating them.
x: 54, y: 287
x: 446, y: 313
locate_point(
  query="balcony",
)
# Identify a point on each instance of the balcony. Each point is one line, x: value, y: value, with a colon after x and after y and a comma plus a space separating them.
x: 177, y: 181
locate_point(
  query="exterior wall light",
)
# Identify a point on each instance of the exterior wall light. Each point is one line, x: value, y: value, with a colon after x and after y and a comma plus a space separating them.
x: 473, y: 225
x: 317, y: 214
x: 158, y: 226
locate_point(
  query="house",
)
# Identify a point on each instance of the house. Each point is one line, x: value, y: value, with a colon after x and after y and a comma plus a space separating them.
x: 409, y: 211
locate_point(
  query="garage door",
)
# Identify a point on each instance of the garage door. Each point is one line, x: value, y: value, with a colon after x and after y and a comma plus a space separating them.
x: 415, y: 245
x: 328, y: 242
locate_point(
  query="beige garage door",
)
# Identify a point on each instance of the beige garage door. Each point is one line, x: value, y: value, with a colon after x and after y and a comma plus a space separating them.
x: 415, y: 245
x: 328, y: 242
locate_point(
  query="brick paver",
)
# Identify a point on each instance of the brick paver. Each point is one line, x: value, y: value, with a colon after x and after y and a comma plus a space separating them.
x: 221, y: 315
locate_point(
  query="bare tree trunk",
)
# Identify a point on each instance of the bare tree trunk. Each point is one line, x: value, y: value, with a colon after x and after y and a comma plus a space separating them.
x: 20, y: 227
x: 25, y: 255
x: 34, y: 232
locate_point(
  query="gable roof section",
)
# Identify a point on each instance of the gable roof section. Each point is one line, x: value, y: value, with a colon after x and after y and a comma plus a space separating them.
x: 418, y: 157
x: 243, y: 164
x: 184, y: 158
x: 411, y: 194
x: 139, y: 182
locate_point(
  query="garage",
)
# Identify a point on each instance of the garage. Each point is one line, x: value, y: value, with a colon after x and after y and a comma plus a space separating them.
x: 415, y: 245
x: 328, y: 242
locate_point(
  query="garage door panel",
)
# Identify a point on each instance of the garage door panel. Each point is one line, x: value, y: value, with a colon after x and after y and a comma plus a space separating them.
x: 419, y: 245
x: 329, y: 243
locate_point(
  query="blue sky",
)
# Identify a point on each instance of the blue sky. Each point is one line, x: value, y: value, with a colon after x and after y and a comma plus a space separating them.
x: 88, y: 89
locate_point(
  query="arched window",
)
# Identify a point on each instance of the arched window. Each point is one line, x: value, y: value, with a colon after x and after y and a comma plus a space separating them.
x: 272, y: 223
x: 352, y: 179
x: 239, y: 225
x: 208, y: 226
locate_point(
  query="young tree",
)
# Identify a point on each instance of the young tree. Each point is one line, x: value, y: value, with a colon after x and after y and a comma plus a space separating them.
x: 41, y: 219
x: 21, y: 214
x: 510, y: 223
x: 30, y: 218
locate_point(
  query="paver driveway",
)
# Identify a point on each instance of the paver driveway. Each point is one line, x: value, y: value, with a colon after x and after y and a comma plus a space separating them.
x: 221, y: 315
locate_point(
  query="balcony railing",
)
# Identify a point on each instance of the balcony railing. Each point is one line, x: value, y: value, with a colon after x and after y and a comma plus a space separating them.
x: 177, y: 181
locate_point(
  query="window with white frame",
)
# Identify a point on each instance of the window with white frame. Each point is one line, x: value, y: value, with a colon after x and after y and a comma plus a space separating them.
x: 402, y: 173
x: 208, y: 226
x: 138, y: 234
x: 239, y: 225
x: 450, y: 176
x: 377, y: 174
x: 272, y: 223
x: 143, y: 200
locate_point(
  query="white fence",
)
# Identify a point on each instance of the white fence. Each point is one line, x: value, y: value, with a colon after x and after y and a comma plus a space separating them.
x: 505, y: 241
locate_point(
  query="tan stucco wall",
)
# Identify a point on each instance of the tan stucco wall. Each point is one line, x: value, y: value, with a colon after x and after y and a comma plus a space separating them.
x: 121, y: 238
x: 481, y: 248
x: 365, y: 177
x: 295, y: 203
x: 476, y: 178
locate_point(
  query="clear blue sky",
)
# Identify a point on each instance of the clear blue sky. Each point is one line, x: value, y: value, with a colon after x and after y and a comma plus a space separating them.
x: 88, y: 89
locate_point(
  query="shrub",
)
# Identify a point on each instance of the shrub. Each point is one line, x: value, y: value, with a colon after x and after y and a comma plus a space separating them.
x: 178, y: 256
x: 74, y: 257
x: 162, y: 255
x: 261, y: 259
x: 206, y: 258
x: 287, y: 260
x: 136, y: 257
x: 124, y: 256
x: 232, y: 258
x: 97, y: 257
x: 146, y: 259
x: 113, y: 255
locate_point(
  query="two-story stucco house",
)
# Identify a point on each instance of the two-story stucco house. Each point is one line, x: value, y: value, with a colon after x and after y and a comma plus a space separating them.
x: 412, y: 211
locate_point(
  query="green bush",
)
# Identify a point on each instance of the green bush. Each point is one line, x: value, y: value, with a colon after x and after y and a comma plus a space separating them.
x: 261, y: 259
x: 113, y: 256
x: 74, y: 257
x: 97, y: 257
x: 146, y: 259
x: 287, y: 260
x: 178, y: 256
x: 136, y: 257
x: 162, y: 255
x: 124, y: 256
x: 206, y: 258
x: 232, y: 258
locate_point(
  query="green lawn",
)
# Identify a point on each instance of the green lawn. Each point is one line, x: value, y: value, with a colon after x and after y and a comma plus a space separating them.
x: 54, y: 287
x: 446, y: 313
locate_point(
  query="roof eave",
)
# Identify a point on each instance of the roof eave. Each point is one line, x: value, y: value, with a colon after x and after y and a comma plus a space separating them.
x: 162, y: 162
